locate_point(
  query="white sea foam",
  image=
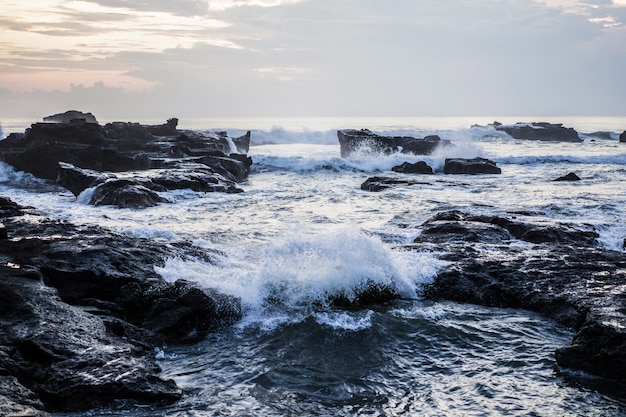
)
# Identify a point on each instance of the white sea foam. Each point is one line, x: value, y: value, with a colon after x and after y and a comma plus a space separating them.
x: 300, y: 273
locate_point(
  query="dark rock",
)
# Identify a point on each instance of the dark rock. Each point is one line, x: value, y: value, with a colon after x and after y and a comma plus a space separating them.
x: 569, y: 177
x: 622, y: 137
x: 383, y: 183
x: 80, y: 311
x: 69, y: 116
x: 351, y: 140
x: 539, y: 131
x: 470, y: 166
x: 563, y: 275
x: 77, y: 179
x: 119, y: 146
x: 420, y: 167
x: 125, y: 193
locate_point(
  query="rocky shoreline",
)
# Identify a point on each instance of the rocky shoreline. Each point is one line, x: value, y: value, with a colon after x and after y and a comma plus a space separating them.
x: 82, y: 309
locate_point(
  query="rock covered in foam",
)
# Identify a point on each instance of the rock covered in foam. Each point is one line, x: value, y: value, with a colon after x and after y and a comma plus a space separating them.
x: 351, y: 140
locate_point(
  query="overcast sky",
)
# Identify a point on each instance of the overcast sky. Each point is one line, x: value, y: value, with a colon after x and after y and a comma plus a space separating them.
x: 124, y: 59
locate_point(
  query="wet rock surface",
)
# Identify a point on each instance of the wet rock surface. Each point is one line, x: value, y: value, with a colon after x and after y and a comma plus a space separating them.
x: 470, y: 166
x: 551, y: 268
x: 352, y: 140
x: 81, y: 310
x: 141, y: 160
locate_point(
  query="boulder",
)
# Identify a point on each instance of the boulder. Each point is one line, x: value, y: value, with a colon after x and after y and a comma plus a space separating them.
x: 382, y: 183
x: 622, y: 137
x: 539, y: 131
x: 470, y: 166
x: 125, y: 193
x: 559, y: 272
x: 569, y: 177
x: 351, y: 140
x: 420, y: 167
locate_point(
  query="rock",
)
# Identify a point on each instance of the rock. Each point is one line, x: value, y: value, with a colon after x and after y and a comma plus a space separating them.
x: 69, y: 116
x: 622, y: 137
x: 81, y: 155
x: 563, y: 276
x: 81, y: 309
x: 351, y: 140
x: 470, y: 166
x: 383, y: 183
x: 125, y: 193
x: 420, y: 167
x: 539, y: 131
x: 569, y: 177
x: 77, y: 179
x: 115, y: 147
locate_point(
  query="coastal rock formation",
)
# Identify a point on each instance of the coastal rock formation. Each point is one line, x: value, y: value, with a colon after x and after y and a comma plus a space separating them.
x: 351, y: 140
x: 160, y: 157
x: 539, y: 131
x: 382, y: 183
x: 420, y: 167
x: 81, y: 310
x: 572, y: 176
x: 562, y: 275
x: 470, y: 166
x: 622, y: 137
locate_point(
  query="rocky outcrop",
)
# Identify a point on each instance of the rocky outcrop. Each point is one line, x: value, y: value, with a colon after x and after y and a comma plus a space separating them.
x: 470, y: 166
x: 351, y: 140
x: 622, y: 137
x: 559, y: 272
x: 376, y: 184
x: 572, y: 176
x: 81, y: 310
x: 420, y: 167
x: 539, y: 131
x: 160, y: 158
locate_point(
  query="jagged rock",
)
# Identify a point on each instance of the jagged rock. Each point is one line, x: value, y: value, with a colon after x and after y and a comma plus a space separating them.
x: 622, y: 137
x: 565, y: 277
x: 351, y: 140
x: 69, y: 116
x: 569, y: 177
x: 420, y: 167
x: 114, y: 147
x: 81, y: 309
x: 539, y: 131
x: 77, y: 179
x: 470, y: 166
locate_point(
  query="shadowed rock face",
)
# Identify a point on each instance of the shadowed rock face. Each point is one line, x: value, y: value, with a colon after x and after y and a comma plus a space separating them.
x: 81, y: 309
x: 351, y: 140
x: 70, y: 115
x: 560, y: 274
x: 622, y: 137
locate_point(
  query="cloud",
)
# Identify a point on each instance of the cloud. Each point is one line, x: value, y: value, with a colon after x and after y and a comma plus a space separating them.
x: 323, y: 57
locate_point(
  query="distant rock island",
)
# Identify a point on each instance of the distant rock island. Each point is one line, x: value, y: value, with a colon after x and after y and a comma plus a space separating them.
x: 544, y: 131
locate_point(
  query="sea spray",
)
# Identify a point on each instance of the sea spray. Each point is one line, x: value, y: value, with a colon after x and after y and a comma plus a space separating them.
x: 302, y: 273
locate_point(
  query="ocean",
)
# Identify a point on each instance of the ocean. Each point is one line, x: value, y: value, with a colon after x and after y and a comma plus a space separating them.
x: 303, y: 229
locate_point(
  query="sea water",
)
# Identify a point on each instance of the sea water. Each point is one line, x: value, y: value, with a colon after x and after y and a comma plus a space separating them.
x: 304, y: 231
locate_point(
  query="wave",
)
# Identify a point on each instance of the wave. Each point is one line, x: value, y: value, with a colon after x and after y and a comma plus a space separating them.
x: 300, y: 274
x: 619, y: 159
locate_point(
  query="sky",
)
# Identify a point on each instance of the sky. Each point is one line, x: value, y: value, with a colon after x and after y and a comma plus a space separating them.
x: 123, y: 59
